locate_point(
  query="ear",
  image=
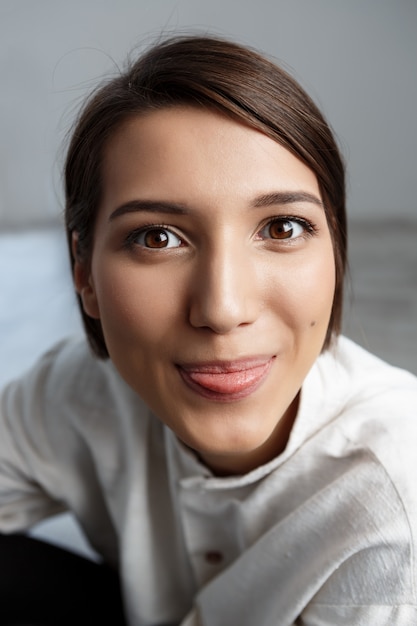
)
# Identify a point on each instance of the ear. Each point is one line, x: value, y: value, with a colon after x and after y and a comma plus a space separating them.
x: 83, y: 281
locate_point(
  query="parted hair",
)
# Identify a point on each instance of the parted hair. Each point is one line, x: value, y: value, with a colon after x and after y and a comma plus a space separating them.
x: 212, y: 73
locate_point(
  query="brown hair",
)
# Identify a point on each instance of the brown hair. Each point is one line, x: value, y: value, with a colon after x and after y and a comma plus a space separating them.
x: 212, y: 73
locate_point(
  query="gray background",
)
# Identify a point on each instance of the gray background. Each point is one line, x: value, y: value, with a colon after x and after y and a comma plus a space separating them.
x: 356, y: 58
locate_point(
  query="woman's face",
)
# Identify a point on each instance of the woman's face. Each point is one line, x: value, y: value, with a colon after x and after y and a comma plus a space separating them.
x: 213, y: 275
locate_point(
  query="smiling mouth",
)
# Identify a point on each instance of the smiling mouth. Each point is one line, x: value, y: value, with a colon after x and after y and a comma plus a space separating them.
x: 226, y: 382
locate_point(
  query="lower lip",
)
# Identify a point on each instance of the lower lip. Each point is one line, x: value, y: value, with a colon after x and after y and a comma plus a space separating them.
x: 226, y: 386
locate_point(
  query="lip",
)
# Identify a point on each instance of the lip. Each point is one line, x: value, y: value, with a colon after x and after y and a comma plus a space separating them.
x: 226, y: 381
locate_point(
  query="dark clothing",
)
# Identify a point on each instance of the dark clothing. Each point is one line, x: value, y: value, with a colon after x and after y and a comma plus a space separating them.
x: 43, y: 585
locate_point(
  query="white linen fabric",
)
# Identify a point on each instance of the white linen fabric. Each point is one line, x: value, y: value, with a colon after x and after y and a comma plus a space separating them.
x: 324, y: 534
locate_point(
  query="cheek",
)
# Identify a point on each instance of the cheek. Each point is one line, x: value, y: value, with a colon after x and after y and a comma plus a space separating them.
x: 136, y: 304
x: 321, y: 288
x: 308, y: 290
x: 320, y: 280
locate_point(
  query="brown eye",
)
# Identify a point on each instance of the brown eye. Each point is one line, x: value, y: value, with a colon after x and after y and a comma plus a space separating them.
x: 283, y: 229
x: 157, y: 238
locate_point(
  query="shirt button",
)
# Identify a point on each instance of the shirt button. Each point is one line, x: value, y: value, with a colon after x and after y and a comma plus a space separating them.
x: 213, y: 557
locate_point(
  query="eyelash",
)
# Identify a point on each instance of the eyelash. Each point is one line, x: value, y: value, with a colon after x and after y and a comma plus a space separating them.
x: 309, y: 228
x: 132, y: 236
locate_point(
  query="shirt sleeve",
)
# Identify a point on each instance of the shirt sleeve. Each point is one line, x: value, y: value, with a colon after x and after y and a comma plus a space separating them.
x: 329, y: 615
x: 347, y: 560
x: 34, y: 440
x: 322, y: 615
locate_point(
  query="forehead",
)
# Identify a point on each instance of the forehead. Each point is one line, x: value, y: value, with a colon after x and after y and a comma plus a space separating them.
x: 195, y: 152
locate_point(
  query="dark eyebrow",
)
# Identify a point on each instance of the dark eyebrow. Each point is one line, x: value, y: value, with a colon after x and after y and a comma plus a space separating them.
x: 151, y: 206
x: 286, y: 197
x: 175, y: 208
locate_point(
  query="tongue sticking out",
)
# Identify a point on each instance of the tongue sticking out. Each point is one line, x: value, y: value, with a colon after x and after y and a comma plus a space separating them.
x: 229, y: 382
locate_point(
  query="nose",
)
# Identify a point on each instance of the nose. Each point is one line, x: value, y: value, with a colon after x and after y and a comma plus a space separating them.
x: 224, y: 292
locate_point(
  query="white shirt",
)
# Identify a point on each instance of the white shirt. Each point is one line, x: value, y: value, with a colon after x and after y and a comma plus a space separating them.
x: 323, y: 535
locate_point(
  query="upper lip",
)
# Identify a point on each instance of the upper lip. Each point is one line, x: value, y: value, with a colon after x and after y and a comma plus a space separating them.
x: 223, y: 366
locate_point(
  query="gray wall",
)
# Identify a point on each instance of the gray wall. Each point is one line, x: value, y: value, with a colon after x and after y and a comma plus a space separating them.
x: 357, y: 58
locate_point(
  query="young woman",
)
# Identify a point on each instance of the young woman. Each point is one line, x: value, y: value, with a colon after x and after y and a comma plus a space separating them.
x: 228, y: 454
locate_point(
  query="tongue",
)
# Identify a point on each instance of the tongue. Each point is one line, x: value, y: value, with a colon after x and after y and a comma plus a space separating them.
x: 227, y: 382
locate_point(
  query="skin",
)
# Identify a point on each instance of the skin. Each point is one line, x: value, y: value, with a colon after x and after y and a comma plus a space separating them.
x: 212, y: 313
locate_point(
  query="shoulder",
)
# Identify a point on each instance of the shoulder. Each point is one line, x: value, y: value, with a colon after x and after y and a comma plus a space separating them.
x: 355, y: 391
x: 74, y: 412
x: 357, y: 434
x: 69, y: 384
x: 375, y: 398
x: 354, y: 386
x: 372, y: 416
x: 359, y: 410
x: 363, y: 373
